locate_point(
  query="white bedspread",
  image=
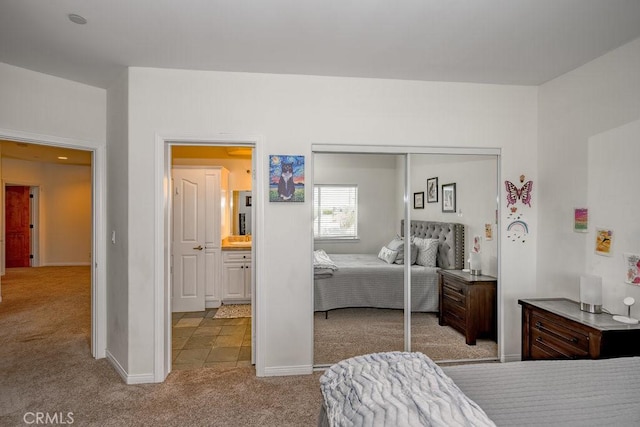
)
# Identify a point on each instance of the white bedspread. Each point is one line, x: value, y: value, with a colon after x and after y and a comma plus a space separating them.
x: 396, y: 389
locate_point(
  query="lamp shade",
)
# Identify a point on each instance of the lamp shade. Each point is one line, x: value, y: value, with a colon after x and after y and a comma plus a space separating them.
x: 591, y: 293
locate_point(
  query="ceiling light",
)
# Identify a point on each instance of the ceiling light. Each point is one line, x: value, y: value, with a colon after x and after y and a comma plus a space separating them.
x: 77, y: 19
x: 63, y: 158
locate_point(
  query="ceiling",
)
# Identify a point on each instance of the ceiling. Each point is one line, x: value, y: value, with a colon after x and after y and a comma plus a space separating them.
x: 524, y: 42
x: 44, y: 153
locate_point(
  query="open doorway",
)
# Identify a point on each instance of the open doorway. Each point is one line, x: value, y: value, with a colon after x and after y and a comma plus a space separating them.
x: 48, y: 233
x: 211, y: 271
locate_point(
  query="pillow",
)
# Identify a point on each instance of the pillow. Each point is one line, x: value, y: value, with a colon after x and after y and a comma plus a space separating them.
x: 414, y: 255
x: 427, y: 251
x: 397, y: 244
x: 322, y: 260
x: 387, y: 255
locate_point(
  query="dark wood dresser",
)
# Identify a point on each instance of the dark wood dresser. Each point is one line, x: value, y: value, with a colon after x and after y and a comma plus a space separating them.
x: 556, y: 328
x: 468, y: 304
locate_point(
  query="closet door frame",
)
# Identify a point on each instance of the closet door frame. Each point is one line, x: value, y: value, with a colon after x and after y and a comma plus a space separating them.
x: 407, y: 151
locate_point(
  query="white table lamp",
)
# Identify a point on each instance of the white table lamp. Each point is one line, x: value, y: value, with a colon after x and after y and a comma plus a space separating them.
x: 475, y: 263
x: 591, y: 293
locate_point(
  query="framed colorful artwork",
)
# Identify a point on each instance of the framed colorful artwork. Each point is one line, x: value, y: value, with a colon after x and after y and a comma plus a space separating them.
x: 632, y: 266
x: 604, y: 241
x: 488, y: 231
x: 286, y: 178
x: 581, y: 220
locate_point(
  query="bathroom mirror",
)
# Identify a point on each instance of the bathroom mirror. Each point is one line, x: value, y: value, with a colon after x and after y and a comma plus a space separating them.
x: 241, y: 212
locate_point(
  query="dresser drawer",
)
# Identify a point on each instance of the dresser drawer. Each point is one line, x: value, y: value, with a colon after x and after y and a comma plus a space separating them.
x: 563, y: 333
x: 453, y: 307
x: 454, y: 293
x: 540, y: 350
x: 454, y: 321
x: 236, y: 256
x: 557, y: 338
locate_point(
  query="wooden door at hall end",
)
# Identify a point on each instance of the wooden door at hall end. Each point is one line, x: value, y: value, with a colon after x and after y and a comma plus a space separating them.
x: 17, y: 226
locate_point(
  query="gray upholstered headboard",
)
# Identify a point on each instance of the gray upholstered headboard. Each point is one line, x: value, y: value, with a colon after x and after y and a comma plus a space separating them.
x: 451, y: 236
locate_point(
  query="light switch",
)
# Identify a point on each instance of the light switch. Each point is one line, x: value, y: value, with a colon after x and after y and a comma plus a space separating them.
x: 113, y: 237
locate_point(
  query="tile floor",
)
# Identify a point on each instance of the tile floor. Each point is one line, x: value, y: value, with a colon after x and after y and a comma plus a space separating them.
x: 199, y: 341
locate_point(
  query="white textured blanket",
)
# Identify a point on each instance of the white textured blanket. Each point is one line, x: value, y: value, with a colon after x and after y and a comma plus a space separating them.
x: 396, y: 389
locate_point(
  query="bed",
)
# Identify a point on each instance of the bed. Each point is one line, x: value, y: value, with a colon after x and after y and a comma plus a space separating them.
x: 366, y: 280
x: 409, y: 389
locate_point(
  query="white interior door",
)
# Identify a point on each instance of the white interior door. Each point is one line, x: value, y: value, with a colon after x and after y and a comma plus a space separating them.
x: 188, y: 272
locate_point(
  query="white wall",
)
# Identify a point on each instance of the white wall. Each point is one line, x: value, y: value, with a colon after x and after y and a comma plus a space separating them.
x: 476, y: 191
x: 41, y: 104
x: 614, y: 176
x: 64, y: 208
x: 375, y: 176
x: 583, y: 105
x: 118, y: 324
x: 291, y: 113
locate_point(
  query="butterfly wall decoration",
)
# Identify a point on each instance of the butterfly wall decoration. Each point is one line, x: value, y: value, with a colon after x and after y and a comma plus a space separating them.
x: 514, y: 193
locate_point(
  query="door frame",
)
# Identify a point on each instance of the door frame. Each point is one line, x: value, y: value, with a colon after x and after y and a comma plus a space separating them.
x: 98, y: 151
x: 162, y: 244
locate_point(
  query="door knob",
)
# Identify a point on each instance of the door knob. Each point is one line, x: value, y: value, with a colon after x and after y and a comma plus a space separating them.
x: 199, y: 248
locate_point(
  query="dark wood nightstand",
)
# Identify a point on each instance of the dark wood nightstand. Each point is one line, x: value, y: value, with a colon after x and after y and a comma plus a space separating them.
x: 468, y: 304
x: 556, y: 328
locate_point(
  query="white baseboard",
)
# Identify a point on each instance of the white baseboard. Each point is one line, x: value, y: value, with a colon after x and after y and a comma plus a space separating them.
x: 281, y: 371
x: 116, y: 365
x: 126, y: 377
x: 511, y: 358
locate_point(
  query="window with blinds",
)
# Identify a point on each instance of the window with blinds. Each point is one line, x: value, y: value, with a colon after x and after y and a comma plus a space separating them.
x: 335, y: 211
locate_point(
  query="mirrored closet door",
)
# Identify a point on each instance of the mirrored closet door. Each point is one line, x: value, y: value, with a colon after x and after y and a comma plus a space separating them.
x: 455, y: 226
x: 384, y: 291
x: 359, y: 296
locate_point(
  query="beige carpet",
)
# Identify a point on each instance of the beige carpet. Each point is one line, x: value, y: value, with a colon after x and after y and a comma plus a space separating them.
x: 46, y: 366
x: 233, y: 311
x: 353, y: 331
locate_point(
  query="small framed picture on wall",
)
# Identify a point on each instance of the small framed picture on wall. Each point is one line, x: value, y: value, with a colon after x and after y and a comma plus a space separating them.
x: 418, y: 200
x: 432, y: 190
x: 449, y: 197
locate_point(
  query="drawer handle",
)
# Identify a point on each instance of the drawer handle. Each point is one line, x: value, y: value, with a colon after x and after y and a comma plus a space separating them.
x: 543, y: 329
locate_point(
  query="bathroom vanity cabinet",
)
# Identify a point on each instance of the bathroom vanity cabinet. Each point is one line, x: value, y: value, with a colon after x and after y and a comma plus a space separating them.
x: 236, y: 276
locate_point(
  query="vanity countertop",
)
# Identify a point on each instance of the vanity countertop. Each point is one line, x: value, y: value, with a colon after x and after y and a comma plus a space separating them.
x: 236, y: 243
